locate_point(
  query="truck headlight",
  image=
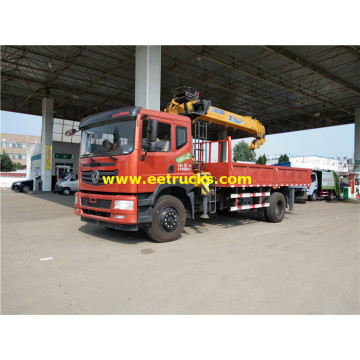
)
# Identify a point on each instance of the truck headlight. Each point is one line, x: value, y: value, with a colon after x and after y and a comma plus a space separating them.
x: 76, y: 199
x: 124, y: 204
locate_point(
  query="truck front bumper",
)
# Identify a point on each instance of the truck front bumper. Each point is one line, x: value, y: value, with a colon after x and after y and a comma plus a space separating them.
x: 99, y: 208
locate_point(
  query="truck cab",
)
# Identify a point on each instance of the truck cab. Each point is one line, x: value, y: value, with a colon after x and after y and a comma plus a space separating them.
x: 324, y: 185
x: 313, y: 190
x: 123, y: 153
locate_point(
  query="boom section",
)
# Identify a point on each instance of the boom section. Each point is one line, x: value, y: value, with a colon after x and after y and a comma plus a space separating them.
x: 245, y: 123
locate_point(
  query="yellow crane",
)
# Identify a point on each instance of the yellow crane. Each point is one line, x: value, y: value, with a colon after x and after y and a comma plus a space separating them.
x: 186, y: 102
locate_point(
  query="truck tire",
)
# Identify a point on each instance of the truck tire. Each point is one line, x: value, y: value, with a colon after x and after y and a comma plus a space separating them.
x: 169, y: 219
x: 332, y: 196
x: 313, y: 197
x: 262, y: 214
x: 276, y: 211
x: 66, y: 191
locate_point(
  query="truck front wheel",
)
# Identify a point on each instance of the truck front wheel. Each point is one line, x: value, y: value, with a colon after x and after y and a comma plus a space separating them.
x: 276, y: 211
x: 313, y: 197
x: 169, y: 218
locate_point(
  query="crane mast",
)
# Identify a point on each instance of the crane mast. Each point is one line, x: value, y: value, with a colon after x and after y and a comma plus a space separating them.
x: 186, y: 102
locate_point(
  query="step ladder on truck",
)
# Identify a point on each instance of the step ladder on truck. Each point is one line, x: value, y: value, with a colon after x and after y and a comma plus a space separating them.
x: 179, y: 143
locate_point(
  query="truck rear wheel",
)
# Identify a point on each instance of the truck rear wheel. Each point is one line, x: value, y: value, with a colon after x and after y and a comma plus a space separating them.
x: 169, y: 219
x: 276, y: 211
x: 262, y: 214
x: 332, y: 196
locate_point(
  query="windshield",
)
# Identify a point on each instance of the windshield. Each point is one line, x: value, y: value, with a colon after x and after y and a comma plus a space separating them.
x: 113, y: 137
x: 68, y: 176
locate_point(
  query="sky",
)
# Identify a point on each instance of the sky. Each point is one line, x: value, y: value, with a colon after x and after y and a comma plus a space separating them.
x: 16, y: 123
x: 331, y: 141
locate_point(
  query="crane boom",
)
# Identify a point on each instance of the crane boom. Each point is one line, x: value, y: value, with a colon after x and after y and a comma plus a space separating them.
x: 186, y: 102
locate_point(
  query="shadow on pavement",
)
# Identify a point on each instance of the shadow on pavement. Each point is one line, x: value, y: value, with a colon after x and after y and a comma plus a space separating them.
x: 66, y: 200
x: 119, y: 236
x: 198, y: 225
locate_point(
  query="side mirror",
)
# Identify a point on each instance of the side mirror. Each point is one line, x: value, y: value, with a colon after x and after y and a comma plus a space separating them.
x: 152, y: 130
x: 71, y: 132
x: 151, y: 135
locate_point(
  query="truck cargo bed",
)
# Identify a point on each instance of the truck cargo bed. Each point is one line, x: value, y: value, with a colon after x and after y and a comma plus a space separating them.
x: 261, y: 175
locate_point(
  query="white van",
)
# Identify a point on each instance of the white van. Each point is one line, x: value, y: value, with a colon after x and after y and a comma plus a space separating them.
x: 68, y: 184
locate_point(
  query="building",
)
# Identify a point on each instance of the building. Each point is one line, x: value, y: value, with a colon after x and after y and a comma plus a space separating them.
x: 318, y: 162
x: 16, y: 146
x: 314, y: 162
x: 62, y: 154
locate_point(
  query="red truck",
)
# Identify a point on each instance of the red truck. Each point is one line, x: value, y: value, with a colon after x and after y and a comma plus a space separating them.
x: 133, y: 163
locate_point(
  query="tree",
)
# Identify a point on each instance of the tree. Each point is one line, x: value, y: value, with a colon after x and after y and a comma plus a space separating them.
x: 261, y: 160
x: 18, y: 166
x: 242, y: 152
x: 5, y: 162
x: 283, y: 159
x: 7, y: 165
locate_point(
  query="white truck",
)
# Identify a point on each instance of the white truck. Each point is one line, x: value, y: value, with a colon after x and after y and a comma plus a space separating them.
x: 324, y: 185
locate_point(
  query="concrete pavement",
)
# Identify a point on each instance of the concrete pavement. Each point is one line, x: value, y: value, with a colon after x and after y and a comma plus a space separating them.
x: 52, y: 263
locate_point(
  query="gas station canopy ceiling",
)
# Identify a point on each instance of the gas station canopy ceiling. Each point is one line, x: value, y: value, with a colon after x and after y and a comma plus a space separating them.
x: 287, y: 88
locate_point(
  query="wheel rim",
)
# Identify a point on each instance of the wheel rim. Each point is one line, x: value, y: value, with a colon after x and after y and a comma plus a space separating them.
x: 279, y: 208
x: 168, y: 219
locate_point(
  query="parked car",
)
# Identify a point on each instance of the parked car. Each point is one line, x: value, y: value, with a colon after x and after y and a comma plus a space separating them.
x: 24, y: 185
x: 15, y: 185
x: 67, y: 185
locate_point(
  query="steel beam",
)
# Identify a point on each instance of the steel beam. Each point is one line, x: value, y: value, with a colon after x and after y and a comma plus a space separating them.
x: 259, y: 74
x: 282, y: 51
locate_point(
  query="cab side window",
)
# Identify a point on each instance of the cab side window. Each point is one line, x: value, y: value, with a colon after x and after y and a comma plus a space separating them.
x: 163, y: 141
x: 181, y: 137
x: 74, y: 177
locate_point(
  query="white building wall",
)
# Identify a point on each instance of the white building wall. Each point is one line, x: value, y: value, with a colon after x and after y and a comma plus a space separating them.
x: 34, y: 168
x: 312, y: 162
x: 318, y: 162
x: 65, y: 148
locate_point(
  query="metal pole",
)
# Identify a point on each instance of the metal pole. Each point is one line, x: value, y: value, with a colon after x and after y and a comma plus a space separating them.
x: 291, y: 199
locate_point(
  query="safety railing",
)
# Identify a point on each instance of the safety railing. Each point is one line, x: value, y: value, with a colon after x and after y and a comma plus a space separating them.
x: 216, y: 146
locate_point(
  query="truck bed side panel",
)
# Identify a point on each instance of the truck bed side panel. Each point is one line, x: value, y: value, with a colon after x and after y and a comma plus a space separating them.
x: 261, y: 175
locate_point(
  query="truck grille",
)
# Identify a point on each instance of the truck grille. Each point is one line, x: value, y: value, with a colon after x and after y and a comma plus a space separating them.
x: 96, y: 213
x: 98, y: 203
x: 86, y: 176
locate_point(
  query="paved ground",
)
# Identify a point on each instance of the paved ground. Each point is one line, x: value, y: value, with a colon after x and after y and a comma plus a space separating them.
x: 308, y: 264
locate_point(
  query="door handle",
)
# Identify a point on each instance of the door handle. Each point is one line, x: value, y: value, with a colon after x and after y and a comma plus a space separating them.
x: 171, y: 169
